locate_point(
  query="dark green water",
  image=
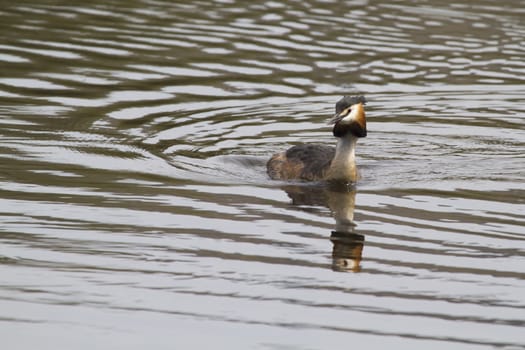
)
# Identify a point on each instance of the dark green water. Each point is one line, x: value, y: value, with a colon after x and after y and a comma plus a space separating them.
x: 134, y: 206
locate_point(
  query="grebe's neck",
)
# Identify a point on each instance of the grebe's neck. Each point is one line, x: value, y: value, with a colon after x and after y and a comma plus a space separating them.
x: 343, y: 166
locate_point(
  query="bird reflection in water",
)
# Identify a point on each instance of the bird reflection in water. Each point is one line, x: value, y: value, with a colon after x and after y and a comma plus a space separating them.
x: 340, y: 199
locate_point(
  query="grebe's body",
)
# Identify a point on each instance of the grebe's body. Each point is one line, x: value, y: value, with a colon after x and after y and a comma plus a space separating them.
x: 314, y: 162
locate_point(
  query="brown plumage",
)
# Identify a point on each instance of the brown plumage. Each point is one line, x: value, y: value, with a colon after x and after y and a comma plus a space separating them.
x: 314, y: 162
x: 307, y: 162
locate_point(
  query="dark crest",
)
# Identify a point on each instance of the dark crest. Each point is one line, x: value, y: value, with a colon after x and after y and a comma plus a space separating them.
x: 348, y: 101
x: 356, y: 127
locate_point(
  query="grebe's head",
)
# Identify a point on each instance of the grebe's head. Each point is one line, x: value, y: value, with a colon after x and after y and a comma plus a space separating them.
x: 349, y: 117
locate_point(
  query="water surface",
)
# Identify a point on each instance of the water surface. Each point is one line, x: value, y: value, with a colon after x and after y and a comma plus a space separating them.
x: 134, y: 205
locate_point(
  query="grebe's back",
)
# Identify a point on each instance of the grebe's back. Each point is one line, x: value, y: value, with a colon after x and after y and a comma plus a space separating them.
x: 306, y: 162
x: 314, y: 162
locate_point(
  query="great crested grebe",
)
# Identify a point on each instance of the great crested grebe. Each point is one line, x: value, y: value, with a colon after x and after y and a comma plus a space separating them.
x: 316, y: 162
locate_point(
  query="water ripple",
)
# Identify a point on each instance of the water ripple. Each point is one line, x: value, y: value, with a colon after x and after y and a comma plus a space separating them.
x: 134, y: 140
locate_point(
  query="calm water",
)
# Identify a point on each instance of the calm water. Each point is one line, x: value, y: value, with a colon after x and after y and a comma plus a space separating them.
x: 134, y: 206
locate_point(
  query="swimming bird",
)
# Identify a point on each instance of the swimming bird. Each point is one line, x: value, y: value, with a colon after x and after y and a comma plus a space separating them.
x: 316, y: 162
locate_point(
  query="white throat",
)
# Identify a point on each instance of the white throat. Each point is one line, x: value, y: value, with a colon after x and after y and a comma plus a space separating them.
x: 343, y: 166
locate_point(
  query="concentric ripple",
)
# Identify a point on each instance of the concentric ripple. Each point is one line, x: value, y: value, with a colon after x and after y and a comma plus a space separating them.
x: 135, y: 209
